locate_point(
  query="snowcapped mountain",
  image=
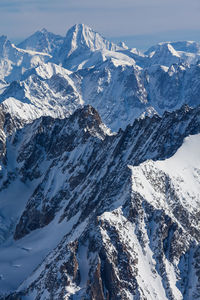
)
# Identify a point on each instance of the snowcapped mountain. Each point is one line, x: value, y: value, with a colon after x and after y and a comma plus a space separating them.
x: 99, y: 169
x: 164, y: 55
x: 95, y: 71
x: 14, y: 61
x: 47, y: 90
x: 81, y: 35
x: 42, y: 41
x: 83, y: 47
x: 183, y: 51
x: 85, y: 68
x: 180, y: 46
x: 97, y: 206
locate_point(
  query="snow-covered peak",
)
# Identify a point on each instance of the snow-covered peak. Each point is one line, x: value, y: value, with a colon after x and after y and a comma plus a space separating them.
x: 5, y: 44
x: 183, y: 46
x: 165, y: 49
x: 81, y: 35
x: 42, y: 41
x: 82, y: 44
x: 165, y: 55
x: 188, y: 51
x: 186, y: 46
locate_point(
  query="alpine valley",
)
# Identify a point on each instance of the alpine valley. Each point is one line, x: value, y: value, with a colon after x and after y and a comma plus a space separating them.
x: 99, y: 169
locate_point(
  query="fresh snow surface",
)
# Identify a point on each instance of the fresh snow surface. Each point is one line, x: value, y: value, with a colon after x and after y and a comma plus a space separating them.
x: 186, y: 159
x: 183, y: 170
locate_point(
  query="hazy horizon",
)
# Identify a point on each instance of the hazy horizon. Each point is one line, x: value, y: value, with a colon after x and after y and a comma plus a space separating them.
x: 140, y: 23
x: 141, y: 42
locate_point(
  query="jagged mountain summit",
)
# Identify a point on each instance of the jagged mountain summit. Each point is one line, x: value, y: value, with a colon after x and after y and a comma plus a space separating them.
x: 15, y: 62
x: 164, y: 55
x: 99, y: 215
x: 99, y: 169
x: 83, y: 49
x: 184, y: 51
x: 42, y: 41
x: 84, y: 68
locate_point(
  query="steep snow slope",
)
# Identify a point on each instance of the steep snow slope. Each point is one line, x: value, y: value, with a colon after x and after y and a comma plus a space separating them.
x: 165, y: 55
x: 111, y: 87
x: 173, y: 185
x: 14, y: 61
x: 42, y: 41
x: 118, y: 240
x: 176, y: 178
x: 186, y: 51
x: 109, y: 77
x: 55, y: 91
x: 79, y: 45
x: 46, y: 90
x: 98, y: 215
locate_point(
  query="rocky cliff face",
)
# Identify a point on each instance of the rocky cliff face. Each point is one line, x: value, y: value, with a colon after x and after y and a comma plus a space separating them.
x: 129, y: 228
x: 99, y: 169
x: 85, y: 68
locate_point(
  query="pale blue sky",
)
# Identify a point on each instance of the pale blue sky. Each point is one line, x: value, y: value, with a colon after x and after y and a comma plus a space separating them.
x: 139, y: 22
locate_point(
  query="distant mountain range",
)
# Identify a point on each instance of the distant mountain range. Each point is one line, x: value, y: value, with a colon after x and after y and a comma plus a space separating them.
x: 99, y: 169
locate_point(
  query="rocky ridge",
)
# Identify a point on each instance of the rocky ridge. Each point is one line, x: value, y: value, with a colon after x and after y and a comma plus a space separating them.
x: 122, y: 243
x: 53, y: 75
x: 87, y: 213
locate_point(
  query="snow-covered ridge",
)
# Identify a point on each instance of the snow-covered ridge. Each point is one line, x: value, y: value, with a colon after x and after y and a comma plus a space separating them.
x: 99, y: 215
x: 30, y: 51
x: 83, y: 35
x: 77, y: 184
x: 186, y: 51
x: 182, y: 171
x: 42, y: 41
x: 58, y: 74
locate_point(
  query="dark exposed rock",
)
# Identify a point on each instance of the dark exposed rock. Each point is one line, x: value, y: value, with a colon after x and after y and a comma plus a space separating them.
x: 116, y: 225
